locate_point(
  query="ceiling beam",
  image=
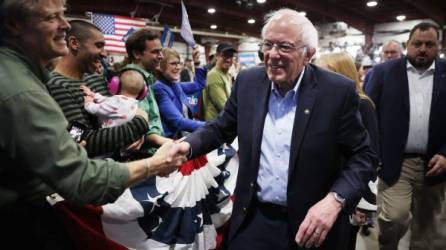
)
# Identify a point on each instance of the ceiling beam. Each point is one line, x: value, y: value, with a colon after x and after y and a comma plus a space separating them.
x: 170, y: 16
x: 220, y: 8
x: 430, y: 10
x: 336, y: 12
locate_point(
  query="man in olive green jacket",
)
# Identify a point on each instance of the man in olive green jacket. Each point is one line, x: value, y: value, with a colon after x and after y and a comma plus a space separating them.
x: 218, y: 83
x: 37, y: 155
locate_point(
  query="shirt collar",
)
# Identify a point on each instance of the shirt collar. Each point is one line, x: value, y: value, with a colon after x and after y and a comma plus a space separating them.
x: 431, y: 68
x: 296, y: 86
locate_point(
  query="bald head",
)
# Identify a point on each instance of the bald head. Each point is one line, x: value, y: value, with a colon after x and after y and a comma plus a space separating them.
x: 132, y: 83
x: 392, y: 50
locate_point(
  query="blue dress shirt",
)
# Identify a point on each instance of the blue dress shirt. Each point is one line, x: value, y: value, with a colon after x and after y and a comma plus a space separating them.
x: 276, y: 143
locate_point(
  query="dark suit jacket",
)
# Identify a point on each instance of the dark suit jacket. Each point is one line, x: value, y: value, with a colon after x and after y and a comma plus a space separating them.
x: 329, y: 145
x: 389, y: 89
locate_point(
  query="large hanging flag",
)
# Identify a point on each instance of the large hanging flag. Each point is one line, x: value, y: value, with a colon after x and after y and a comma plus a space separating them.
x: 186, y: 30
x: 167, y: 37
x: 115, y: 29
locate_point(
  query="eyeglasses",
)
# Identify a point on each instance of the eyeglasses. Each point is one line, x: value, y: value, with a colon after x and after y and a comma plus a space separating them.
x: 284, y: 48
x: 174, y: 64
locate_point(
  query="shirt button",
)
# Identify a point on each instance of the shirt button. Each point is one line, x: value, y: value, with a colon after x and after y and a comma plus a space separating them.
x: 244, y: 209
x: 277, y: 177
x: 251, y: 184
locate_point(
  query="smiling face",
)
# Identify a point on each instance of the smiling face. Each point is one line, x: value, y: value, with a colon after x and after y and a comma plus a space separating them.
x: 225, y: 60
x: 283, y: 68
x: 422, y: 48
x: 171, y: 70
x: 91, y: 51
x: 152, y: 55
x: 43, y: 36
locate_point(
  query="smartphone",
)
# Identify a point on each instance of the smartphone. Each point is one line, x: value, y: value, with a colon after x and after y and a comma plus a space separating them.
x: 77, y: 131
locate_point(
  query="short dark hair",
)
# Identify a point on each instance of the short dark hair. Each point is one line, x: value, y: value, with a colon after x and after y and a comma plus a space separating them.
x: 81, y: 29
x: 423, y: 26
x: 137, y: 42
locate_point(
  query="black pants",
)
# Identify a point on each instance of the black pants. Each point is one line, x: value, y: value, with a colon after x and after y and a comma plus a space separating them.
x: 266, y: 228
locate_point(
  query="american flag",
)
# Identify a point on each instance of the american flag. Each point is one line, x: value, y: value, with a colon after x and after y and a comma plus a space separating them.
x: 180, y: 211
x: 115, y: 28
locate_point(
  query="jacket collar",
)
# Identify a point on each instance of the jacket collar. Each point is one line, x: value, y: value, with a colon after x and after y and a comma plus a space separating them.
x: 32, y: 65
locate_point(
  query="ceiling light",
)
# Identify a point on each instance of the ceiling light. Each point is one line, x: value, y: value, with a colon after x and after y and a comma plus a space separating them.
x: 303, y: 13
x: 213, y: 27
x: 261, y: 1
x: 251, y: 21
x: 211, y: 10
x: 401, y: 18
x: 372, y: 3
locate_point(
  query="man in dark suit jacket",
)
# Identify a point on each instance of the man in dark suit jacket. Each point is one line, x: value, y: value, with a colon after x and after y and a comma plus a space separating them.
x: 304, y: 155
x: 410, y: 97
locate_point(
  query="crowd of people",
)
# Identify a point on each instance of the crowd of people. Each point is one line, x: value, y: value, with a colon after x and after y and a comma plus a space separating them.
x: 322, y: 151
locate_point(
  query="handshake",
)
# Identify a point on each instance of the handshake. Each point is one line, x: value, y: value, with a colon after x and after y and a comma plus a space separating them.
x: 168, y: 158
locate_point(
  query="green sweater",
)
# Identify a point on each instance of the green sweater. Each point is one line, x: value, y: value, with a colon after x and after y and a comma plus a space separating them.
x: 37, y: 154
x: 216, y: 93
x: 150, y: 106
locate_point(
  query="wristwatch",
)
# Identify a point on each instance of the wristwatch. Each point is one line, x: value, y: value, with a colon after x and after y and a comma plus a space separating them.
x: 339, y: 199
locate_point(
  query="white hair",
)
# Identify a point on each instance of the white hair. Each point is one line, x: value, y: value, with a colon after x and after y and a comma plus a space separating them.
x: 305, y: 29
x: 388, y: 42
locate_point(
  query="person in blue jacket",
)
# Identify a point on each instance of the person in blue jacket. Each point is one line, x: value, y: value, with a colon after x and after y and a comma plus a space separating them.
x: 171, y: 94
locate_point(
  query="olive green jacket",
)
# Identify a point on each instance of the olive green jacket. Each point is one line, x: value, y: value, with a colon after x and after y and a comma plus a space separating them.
x: 216, y: 93
x: 37, y: 154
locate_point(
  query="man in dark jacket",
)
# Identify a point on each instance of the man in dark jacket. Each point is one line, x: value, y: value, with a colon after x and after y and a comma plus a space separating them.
x: 410, y: 98
x: 305, y: 158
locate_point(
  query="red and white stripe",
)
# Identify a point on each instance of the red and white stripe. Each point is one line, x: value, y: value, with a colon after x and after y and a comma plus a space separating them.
x: 114, y: 43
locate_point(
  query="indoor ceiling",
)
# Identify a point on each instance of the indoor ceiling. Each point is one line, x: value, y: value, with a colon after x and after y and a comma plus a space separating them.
x: 231, y: 15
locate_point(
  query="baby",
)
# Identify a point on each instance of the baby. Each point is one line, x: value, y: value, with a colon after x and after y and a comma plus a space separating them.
x: 120, y: 108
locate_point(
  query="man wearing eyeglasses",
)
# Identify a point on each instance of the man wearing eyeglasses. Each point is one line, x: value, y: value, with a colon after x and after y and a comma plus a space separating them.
x: 218, y: 82
x: 305, y: 158
x: 410, y: 98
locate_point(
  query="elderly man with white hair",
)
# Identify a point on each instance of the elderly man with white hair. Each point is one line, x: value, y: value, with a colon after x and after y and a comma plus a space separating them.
x: 305, y: 158
x: 391, y: 49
